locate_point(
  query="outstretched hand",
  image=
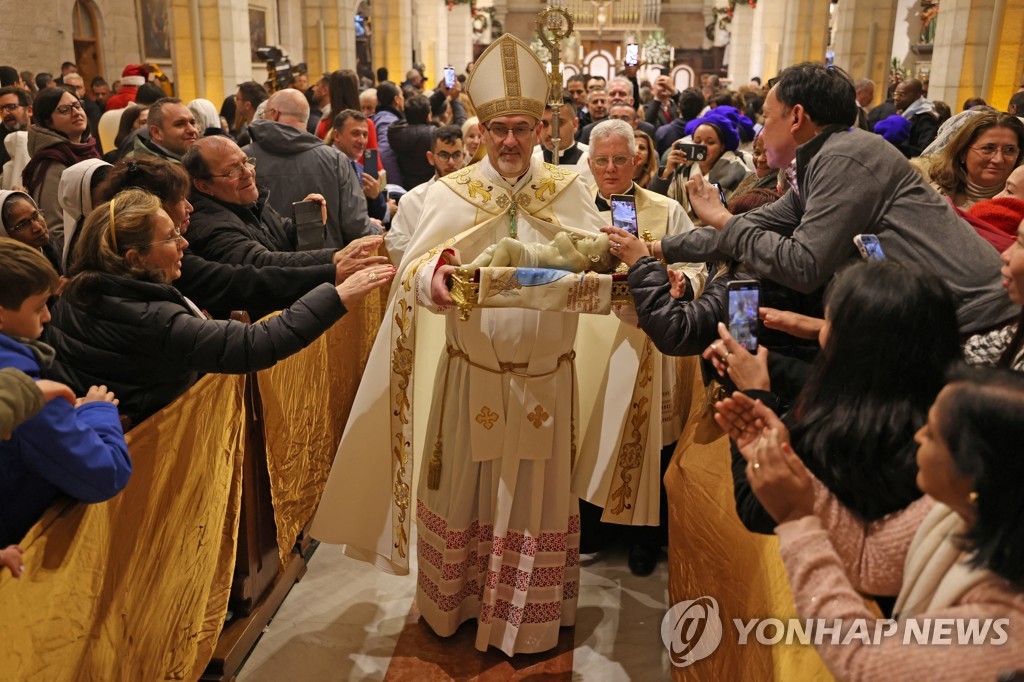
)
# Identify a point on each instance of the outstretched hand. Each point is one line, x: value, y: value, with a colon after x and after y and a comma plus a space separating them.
x: 730, y: 358
x: 357, y: 255
x: 779, y: 479
x: 354, y: 288
x: 624, y: 245
x: 794, y: 324
x: 706, y: 203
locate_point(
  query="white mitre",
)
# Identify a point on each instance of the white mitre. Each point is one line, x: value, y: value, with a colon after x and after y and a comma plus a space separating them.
x: 508, y: 79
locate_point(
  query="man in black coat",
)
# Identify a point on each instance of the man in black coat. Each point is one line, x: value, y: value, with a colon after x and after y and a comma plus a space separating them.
x: 411, y: 140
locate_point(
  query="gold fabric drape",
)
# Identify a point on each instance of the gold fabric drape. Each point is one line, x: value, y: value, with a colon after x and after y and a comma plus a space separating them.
x: 712, y: 554
x: 136, y: 588
x: 306, y: 402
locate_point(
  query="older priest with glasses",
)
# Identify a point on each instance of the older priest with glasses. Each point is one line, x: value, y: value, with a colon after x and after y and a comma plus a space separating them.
x: 497, y: 524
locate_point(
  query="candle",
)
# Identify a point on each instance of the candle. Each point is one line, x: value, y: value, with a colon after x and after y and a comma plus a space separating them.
x: 581, y: 53
x: 618, y: 52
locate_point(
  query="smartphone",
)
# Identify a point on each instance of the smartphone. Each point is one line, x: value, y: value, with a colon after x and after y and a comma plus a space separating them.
x: 869, y: 247
x: 309, y: 225
x: 632, y: 54
x: 721, y: 194
x: 449, y: 77
x: 624, y: 213
x: 694, y: 152
x: 370, y: 162
x: 744, y: 299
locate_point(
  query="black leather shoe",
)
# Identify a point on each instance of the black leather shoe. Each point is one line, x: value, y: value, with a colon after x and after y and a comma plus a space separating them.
x: 643, y: 559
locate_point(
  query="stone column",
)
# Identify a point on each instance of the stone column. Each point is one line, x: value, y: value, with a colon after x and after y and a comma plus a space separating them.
x: 773, y: 30
x: 805, y: 34
x: 392, y: 36
x: 741, y: 44
x: 959, y: 56
x: 232, y: 17
x: 460, y: 37
x: 864, y: 40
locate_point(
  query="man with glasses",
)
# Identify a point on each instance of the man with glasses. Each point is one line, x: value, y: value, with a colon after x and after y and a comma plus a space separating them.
x: 497, y: 520
x: 15, y: 115
x: 293, y: 163
x: 232, y: 221
x: 446, y: 156
x: 613, y: 160
x: 843, y: 182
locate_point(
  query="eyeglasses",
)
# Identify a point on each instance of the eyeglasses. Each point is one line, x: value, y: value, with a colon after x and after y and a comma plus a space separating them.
x: 990, y: 150
x: 11, y: 108
x: 445, y: 156
x: 66, y: 109
x: 238, y: 170
x: 176, y: 239
x: 37, y: 218
x: 500, y: 132
x: 617, y: 161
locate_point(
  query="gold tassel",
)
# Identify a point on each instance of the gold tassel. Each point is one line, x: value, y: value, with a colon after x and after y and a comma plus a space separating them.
x: 434, y: 468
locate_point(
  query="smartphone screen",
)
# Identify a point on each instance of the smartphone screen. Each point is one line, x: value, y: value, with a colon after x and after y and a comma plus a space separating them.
x: 624, y: 213
x: 370, y: 162
x: 869, y: 247
x: 744, y: 299
x: 449, y: 77
x: 632, y: 54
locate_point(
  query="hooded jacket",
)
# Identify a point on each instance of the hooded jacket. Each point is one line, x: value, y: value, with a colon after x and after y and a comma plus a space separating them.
x: 16, y: 144
x: 47, y: 174
x: 74, y: 193
x: 291, y: 163
x: 247, y: 235
x: 79, y: 452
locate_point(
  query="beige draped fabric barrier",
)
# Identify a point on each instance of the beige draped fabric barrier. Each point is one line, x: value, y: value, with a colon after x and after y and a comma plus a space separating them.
x: 137, y: 588
x: 712, y: 554
x: 306, y: 402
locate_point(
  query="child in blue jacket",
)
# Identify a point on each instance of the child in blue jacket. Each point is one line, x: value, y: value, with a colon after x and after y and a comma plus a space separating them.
x: 78, y: 450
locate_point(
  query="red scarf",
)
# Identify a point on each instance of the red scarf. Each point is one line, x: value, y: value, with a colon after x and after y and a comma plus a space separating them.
x: 66, y: 153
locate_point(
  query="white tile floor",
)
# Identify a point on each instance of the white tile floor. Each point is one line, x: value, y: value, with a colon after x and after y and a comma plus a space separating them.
x: 343, y: 620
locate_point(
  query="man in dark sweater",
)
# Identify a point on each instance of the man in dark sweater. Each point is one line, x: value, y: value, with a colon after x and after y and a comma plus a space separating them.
x: 843, y: 182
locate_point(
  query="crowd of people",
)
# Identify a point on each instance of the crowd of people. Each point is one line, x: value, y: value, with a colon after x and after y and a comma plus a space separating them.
x: 132, y: 224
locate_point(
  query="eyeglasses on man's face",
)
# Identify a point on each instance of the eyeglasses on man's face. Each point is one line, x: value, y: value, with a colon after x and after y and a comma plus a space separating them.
x: 446, y: 156
x: 617, y: 161
x: 11, y: 108
x: 238, y: 170
x: 37, y: 219
x: 66, y: 109
x: 499, y: 132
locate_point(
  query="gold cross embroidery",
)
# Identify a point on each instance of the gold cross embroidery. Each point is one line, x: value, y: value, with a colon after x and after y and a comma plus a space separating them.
x: 538, y: 416
x: 486, y: 418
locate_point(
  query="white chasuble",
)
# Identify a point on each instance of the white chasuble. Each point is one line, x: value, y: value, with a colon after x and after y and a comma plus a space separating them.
x: 498, y: 528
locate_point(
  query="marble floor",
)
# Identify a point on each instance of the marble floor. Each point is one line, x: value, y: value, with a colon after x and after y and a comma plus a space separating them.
x: 348, y: 621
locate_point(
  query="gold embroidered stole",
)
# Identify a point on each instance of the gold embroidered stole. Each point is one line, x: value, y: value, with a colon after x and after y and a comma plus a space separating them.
x: 535, y: 198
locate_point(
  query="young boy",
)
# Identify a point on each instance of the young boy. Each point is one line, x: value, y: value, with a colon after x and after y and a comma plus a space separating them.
x: 75, y: 450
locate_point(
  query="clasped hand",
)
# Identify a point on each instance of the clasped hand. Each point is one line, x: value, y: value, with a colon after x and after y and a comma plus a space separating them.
x: 779, y: 478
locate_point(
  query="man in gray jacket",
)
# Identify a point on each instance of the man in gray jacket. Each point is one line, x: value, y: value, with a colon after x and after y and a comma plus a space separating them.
x: 292, y: 164
x: 844, y: 181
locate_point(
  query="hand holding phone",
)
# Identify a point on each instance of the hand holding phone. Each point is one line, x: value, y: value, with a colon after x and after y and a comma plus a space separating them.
x: 624, y: 213
x: 449, y: 77
x: 309, y: 226
x: 693, y: 152
x: 744, y: 299
x: 632, y: 54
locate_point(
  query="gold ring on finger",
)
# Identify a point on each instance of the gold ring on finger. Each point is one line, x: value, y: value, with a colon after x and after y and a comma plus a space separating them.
x: 372, y: 275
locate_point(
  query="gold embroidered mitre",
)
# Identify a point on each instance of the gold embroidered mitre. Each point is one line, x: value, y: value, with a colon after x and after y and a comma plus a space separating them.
x: 508, y: 79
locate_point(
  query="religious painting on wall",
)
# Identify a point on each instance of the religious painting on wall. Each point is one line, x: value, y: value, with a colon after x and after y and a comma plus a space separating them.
x: 155, y: 30
x: 257, y: 31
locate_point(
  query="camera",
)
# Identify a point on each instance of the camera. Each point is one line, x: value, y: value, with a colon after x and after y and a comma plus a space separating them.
x: 694, y: 152
x: 279, y: 68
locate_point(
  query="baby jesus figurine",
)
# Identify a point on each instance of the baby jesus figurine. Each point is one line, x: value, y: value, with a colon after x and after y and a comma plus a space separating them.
x: 564, y: 252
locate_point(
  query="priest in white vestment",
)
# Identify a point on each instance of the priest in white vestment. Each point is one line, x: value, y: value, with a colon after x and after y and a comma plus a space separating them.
x: 497, y: 525
x: 643, y: 382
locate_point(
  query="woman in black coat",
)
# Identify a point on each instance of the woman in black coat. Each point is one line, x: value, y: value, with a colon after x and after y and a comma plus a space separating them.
x: 121, y: 322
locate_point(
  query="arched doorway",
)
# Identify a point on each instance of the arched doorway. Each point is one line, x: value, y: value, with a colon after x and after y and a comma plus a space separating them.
x: 85, y: 33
